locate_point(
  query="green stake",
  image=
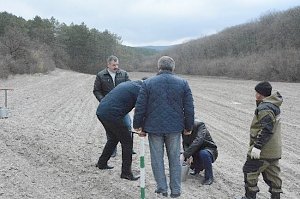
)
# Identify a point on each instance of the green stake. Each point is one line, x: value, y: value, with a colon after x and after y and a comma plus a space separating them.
x: 142, y: 166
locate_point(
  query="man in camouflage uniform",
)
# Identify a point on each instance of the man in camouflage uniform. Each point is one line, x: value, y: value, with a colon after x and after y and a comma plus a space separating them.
x: 265, y: 143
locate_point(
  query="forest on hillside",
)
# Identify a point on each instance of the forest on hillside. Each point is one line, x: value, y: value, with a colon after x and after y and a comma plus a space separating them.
x: 267, y: 48
x: 39, y: 45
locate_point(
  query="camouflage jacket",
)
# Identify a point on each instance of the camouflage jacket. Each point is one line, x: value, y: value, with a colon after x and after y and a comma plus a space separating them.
x: 265, y: 130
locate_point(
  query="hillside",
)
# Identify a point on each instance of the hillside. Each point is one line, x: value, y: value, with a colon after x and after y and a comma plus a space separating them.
x: 52, y: 139
x: 156, y: 48
x: 267, y: 48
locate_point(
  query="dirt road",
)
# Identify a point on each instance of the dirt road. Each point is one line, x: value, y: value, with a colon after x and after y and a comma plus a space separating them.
x: 52, y: 139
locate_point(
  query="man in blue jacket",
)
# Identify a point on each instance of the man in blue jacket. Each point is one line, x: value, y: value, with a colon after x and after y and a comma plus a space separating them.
x: 164, y: 109
x: 111, y: 112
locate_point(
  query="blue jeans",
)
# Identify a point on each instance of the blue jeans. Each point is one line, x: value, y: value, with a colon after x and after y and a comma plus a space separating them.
x: 156, y: 144
x: 203, y: 160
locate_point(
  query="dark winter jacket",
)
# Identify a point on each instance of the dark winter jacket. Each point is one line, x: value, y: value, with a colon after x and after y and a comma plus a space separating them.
x: 120, y: 101
x: 165, y: 105
x: 200, y: 139
x: 104, y: 82
x: 265, y: 130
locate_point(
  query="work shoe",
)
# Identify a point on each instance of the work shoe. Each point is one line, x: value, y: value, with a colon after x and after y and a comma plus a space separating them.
x: 159, y: 192
x: 103, y: 167
x: 245, y: 197
x: 275, y: 195
x: 130, y: 177
x: 193, y: 173
x: 175, y: 195
x: 208, y: 181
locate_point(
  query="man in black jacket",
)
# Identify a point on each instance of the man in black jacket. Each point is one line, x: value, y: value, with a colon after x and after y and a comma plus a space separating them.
x: 200, y: 145
x: 109, y: 78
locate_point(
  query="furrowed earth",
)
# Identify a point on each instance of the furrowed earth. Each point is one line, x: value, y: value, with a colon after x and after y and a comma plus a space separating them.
x: 52, y: 139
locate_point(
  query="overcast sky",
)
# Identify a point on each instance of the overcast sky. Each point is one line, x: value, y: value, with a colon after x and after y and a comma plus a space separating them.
x: 149, y: 22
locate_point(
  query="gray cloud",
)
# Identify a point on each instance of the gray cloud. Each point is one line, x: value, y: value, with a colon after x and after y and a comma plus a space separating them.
x: 150, y: 22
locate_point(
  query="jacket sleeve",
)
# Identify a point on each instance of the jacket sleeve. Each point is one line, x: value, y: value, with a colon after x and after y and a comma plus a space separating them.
x: 188, y: 105
x: 127, y: 77
x: 98, y: 88
x: 140, y: 108
x: 267, y: 124
x: 197, y: 142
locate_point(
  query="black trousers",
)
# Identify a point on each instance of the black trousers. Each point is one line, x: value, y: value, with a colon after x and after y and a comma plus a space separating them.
x: 117, y: 132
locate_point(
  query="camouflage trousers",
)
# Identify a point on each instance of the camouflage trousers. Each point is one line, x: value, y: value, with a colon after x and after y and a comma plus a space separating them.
x: 270, y: 171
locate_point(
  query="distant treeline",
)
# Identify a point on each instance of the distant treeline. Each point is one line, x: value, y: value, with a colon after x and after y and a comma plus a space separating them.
x: 39, y: 45
x: 265, y: 49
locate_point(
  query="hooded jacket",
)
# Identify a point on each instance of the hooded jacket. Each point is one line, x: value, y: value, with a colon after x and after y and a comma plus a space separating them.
x: 265, y: 130
x: 200, y: 139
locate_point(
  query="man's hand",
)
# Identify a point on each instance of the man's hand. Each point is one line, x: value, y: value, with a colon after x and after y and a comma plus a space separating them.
x: 140, y: 132
x: 185, y: 132
x: 189, y: 160
x: 186, y: 160
x: 255, y: 153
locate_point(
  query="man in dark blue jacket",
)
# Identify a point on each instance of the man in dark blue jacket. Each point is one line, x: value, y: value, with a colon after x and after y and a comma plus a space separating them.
x: 164, y: 110
x: 111, y: 112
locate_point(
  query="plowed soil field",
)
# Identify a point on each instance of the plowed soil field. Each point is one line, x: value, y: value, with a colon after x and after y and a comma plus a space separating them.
x: 52, y: 139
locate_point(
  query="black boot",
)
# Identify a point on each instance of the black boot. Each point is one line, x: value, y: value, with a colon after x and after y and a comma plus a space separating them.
x: 249, y: 194
x: 103, y: 167
x: 247, y: 197
x: 194, y: 172
x: 275, y: 195
x: 129, y: 176
x: 208, y: 181
x: 127, y: 173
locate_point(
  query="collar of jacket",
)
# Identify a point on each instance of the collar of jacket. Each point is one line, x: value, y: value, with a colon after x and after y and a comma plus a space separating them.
x: 117, y: 72
x: 164, y: 72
